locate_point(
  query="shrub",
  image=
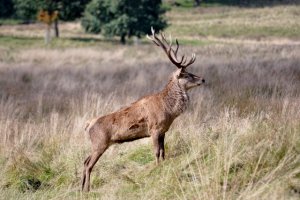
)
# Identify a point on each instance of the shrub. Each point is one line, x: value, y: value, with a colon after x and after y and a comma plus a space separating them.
x: 123, y: 18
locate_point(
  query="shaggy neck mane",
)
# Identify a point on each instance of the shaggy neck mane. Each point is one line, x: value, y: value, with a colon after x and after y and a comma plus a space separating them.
x: 175, y: 97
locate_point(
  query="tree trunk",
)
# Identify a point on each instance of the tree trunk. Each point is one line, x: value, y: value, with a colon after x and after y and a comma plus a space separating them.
x: 48, y: 34
x: 197, y: 3
x: 56, y: 30
x: 136, y: 41
x: 123, y: 39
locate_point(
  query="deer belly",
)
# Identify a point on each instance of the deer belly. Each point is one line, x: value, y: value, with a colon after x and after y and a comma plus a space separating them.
x: 134, y: 132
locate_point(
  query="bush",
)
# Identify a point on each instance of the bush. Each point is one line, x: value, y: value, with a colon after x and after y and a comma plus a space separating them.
x: 123, y: 18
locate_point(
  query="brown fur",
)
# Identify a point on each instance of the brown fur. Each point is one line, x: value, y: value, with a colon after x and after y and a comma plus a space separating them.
x: 150, y: 116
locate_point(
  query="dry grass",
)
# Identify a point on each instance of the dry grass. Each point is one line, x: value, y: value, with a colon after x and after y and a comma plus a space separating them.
x: 239, y: 140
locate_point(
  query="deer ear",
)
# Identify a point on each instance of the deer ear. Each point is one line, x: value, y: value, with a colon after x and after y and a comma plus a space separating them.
x: 178, y: 72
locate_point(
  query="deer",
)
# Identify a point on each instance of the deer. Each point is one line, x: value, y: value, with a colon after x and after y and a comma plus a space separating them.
x: 150, y: 116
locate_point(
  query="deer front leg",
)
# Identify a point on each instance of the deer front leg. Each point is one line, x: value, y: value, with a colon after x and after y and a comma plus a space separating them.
x: 161, y: 143
x: 155, y: 139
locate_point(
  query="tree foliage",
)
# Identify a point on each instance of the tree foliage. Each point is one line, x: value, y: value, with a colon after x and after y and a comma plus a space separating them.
x: 123, y: 18
x: 6, y: 8
x: 68, y: 10
x: 26, y: 9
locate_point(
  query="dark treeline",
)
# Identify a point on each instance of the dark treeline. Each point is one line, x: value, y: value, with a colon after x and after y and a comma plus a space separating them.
x: 9, y: 9
x: 6, y: 8
x: 27, y: 9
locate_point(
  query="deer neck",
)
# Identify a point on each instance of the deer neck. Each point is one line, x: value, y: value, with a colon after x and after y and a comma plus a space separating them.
x: 175, y: 98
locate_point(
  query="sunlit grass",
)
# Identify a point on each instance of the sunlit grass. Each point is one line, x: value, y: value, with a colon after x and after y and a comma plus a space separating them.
x: 231, y: 22
x: 10, y: 21
x: 18, y: 42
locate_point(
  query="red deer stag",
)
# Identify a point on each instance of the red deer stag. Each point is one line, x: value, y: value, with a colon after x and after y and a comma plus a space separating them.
x: 151, y: 116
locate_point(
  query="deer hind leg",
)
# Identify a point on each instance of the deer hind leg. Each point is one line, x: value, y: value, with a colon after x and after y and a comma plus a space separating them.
x: 88, y: 167
x: 87, y: 160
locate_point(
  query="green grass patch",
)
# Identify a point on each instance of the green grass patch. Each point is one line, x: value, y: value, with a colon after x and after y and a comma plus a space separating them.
x: 27, y: 173
x: 10, y: 21
x: 129, y: 190
x: 16, y: 42
x: 231, y: 22
x: 142, y: 155
x: 197, y: 42
x: 237, y: 31
x: 184, y: 3
x: 188, y: 4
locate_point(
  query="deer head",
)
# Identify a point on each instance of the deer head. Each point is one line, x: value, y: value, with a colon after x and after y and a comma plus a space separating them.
x: 185, y: 79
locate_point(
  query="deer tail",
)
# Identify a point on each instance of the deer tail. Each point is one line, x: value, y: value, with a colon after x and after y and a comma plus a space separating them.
x: 87, y: 126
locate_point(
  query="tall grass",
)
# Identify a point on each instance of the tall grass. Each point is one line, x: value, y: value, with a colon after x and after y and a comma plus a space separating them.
x: 240, y: 139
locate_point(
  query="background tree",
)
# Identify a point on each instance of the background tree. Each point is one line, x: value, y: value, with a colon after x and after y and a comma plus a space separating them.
x: 197, y: 2
x: 48, y: 18
x: 124, y: 18
x: 26, y: 10
x: 68, y: 10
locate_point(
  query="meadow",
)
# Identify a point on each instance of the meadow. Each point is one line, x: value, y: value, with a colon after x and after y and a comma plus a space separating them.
x: 239, y: 139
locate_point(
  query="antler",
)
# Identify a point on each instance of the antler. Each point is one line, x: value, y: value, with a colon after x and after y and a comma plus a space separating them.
x: 171, y: 53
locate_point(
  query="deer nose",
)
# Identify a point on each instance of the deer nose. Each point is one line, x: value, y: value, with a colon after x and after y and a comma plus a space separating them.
x: 203, y: 80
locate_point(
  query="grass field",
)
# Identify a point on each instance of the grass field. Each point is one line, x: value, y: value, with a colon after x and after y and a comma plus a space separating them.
x: 240, y: 138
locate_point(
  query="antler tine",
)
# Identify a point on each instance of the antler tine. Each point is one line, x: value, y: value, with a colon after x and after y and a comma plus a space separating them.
x: 163, y: 37
x: 152, y: 40
x: 155, y: 39
x: 170, y: 50
x: 178, y: 64
x: 175, y: 52
x: 184, y: 61
x: 161, y: 43
x: 192, y: 60
x: 187, y: 63
x: 170, y: 46
x: 177, y: 47
x: 182, y: 58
